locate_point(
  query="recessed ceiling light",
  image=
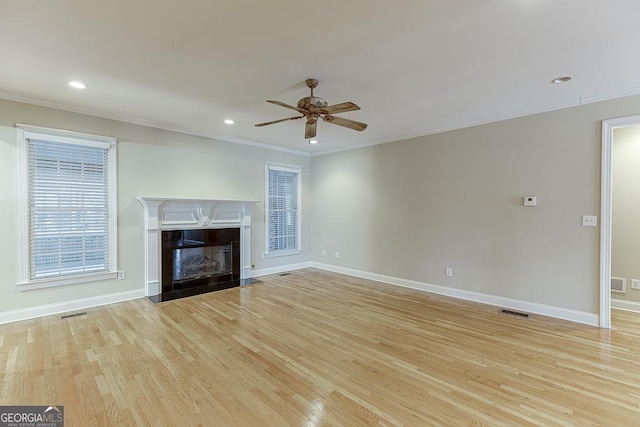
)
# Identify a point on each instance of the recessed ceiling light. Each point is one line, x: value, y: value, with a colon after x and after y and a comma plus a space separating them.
x: 313, y: 141
x: 562, y: 79
x: 77, y: 85
x: 229, y: 121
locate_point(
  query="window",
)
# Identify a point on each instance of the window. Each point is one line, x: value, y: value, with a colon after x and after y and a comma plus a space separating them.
x: 283, y: 210
x: 68, y: 207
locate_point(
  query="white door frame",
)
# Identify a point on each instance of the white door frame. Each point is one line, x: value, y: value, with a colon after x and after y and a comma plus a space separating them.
x: 608, y: 127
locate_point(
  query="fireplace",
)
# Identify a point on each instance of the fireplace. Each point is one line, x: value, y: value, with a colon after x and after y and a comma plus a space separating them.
x: 195, y: 245
x: 191, y: 263
x: 197, y: 258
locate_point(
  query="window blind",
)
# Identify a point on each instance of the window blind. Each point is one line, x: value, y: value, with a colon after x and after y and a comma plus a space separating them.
x: 283, y: 210
x: 68, y: 195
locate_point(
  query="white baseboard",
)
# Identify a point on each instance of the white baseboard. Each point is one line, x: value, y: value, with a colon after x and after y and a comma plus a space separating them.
x: 280, y: 269
x: 530, y: 307
x: 621, y: 304
x: 66, y: 306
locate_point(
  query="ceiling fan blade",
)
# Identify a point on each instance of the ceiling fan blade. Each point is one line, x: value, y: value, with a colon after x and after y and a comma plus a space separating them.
x: 282, y: 104
x: 340, y: 108
x: 279, y: 121
x: 310, y: 129
x: 351, y: 124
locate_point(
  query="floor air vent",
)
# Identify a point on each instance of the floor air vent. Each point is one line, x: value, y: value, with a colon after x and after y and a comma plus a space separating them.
x: 66, y: 316
x: 514, y: 313
x: 618, y: 284
x: 285, y: 274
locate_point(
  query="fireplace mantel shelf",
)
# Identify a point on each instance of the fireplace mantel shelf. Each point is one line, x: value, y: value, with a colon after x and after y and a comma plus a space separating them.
x: 171, y: 200
x: 174, y: 214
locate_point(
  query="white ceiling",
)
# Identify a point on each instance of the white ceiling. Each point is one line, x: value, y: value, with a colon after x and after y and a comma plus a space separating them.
x: 414, y: 66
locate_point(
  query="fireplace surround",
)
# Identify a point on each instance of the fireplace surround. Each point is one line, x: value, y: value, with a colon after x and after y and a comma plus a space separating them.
x: 194, y: 245
x: 203, y: 257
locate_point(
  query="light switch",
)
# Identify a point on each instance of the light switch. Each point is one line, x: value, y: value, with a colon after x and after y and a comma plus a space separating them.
x: 589, y: 220
x: 530, y: 201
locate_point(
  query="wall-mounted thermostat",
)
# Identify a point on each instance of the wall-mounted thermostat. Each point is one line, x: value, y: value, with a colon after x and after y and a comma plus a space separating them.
x: 530, y: 200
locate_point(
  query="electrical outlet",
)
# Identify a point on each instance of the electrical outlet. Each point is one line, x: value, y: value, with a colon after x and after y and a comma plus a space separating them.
x: 121, y: 275
x: 337, y: 254
x: 449, y: 272
x: 324, y: 252
x: 635, y: 284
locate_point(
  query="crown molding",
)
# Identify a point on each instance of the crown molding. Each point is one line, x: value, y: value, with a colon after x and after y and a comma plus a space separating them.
x: 148, y: 123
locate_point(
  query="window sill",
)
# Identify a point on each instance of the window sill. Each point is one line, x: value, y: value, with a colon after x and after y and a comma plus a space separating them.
x: 277, y: 254
x: 69, y: 280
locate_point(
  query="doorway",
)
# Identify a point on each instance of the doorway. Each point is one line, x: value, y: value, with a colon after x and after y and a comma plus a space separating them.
x: 608, y: 127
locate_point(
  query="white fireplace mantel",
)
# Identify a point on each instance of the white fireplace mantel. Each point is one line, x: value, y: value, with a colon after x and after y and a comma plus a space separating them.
x: 185, y: 214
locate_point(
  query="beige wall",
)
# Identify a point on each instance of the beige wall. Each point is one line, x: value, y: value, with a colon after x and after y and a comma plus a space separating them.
x: 410, y: 209
x: 407, y: 209
x: 153, y: 163
x: 625, y: 230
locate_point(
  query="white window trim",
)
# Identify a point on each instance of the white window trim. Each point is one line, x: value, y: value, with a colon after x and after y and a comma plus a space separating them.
x: 286, y: 168
x: 22, y: 133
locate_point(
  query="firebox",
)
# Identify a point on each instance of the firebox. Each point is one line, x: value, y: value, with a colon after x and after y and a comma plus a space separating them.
x: 197, y: 260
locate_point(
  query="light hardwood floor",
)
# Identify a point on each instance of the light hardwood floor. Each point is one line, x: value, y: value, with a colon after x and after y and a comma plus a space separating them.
x: 315, y: 348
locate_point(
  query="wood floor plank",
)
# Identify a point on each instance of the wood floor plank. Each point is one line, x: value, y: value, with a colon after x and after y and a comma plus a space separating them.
x: 315, y: 348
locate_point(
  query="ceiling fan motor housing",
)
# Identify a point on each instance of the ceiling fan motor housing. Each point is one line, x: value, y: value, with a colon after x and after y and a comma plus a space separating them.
x: 312, y: 103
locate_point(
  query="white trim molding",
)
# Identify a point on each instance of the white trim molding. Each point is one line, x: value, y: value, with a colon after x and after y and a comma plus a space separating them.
x: 281, y: 269
x: 608, y: 126
x: 72, y: 280
x: 67, y: 306
x: 530, y: 307
x: 150, y: 123
x: 621, y: 304
x: 189, y: 214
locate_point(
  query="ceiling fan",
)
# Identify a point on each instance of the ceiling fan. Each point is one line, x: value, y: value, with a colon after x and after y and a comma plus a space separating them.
x: 313, y: 108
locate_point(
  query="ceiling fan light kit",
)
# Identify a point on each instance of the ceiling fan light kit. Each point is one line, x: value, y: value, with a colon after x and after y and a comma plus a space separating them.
x: 313, y: 108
